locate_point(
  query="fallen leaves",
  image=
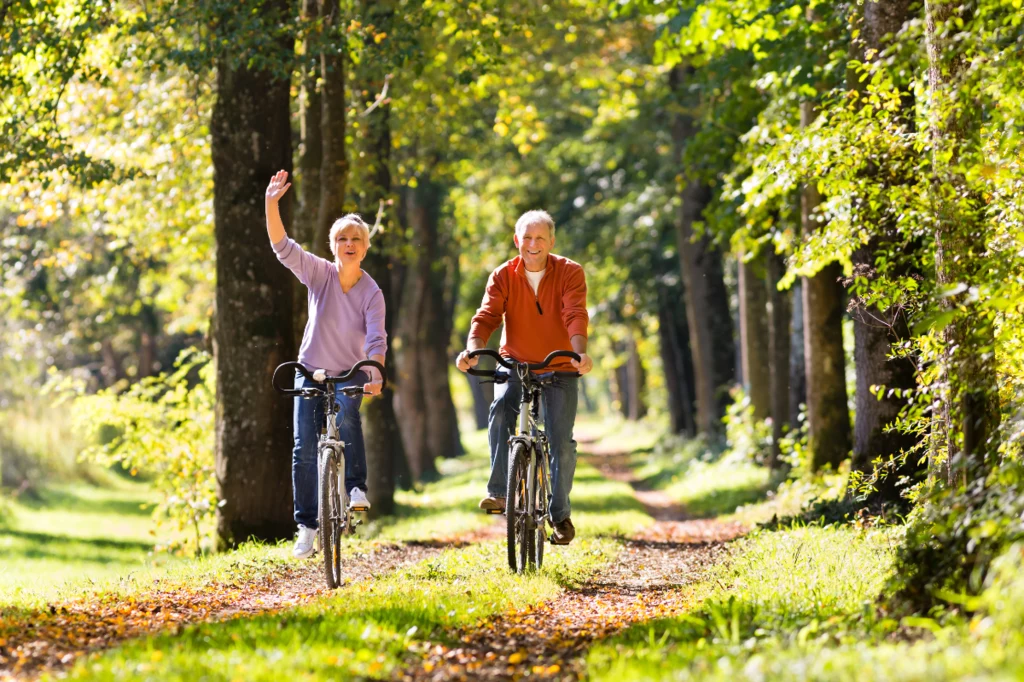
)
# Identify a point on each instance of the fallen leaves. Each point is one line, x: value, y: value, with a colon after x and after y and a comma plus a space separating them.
x: 548, y: 641
x: 58, y: 635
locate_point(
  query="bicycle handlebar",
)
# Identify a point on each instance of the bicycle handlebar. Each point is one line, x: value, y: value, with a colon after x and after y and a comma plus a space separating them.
x: 286, y: 366
x: 533, y: 366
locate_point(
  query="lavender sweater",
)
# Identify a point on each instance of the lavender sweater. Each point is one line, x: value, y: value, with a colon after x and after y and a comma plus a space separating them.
x: 342, y: 328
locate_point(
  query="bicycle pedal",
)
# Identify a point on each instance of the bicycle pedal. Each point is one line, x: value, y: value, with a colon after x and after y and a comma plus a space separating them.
x: 359, y: 509
x: 551, y: 540
x: 494, y: 511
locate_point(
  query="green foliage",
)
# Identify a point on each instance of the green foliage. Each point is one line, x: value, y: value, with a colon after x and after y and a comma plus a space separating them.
x: 955, y: 534
x: 161, y: 428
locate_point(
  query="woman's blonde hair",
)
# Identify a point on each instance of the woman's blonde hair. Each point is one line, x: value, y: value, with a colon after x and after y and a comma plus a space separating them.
x: 348, y: 220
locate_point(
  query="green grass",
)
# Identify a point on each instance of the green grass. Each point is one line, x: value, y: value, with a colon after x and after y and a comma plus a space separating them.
x: 369, y: 629
x: 782, y: 590
x: 75, y: 536
x: 365, y: 630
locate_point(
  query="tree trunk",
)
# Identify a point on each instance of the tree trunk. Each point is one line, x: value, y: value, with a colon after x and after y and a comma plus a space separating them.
x: 797, y: 359
x: 635, y: 381
x: 306, y: 221
x: 754, y: 336
x: 961, y: 237
x: 707, y: 302
x: 334, y: 163
x: 251, y: 140
x: 827, y: 412
x: 311, y: 135
x: 428, y: 413
x: 386, y: 460
x: 675, y: 359
x: 876, y: 330
x: 779, y: 318
x: 483, y: 396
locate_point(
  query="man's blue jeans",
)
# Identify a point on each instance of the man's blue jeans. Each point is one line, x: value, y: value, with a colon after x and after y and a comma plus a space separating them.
x: 307, y: 421
x: 558, y: 410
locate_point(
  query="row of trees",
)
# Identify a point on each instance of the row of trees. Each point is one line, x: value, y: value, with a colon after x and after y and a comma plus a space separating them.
x: 739, y: 178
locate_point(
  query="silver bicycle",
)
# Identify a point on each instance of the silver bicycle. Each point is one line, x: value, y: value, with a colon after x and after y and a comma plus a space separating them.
x: 529, y: 481
x: 333, y: 515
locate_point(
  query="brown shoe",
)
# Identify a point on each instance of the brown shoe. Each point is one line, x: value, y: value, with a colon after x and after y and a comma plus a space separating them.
x: 564, y: 532
x: 492, y: 504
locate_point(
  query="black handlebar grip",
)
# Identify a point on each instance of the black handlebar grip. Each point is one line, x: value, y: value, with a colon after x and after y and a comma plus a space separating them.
x: 490, y: 353
x: 553, y: 355
x: 367, y: 363
x: 284, y: 368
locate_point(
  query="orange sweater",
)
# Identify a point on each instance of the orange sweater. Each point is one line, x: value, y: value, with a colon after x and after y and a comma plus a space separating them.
x: 535, y: 324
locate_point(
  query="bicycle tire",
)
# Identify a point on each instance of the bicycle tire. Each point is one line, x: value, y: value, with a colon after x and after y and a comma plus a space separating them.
x: 520, y: 542
x: 541, y: 506
x: 330, y: 520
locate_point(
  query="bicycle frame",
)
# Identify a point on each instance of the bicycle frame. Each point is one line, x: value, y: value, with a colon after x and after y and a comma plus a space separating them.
x: 536, y: 442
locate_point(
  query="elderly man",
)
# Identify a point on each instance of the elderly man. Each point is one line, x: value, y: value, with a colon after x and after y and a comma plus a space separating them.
x: 542, y: 299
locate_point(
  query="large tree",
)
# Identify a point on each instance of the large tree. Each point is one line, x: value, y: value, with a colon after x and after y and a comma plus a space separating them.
x: 972, y: 401
x: 252, y: 330
x: 707, y: 304
x: 886, y: 377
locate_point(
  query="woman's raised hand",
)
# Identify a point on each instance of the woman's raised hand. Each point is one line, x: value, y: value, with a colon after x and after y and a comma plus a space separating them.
x: 278, y: 186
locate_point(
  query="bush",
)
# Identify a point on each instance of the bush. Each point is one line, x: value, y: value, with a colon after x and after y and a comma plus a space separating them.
x: 161, y: 427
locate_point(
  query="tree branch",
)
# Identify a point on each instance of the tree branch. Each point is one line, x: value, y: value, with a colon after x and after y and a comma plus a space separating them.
x: 382, y: 98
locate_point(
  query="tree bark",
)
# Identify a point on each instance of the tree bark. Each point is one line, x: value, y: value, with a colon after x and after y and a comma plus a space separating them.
x: 797, y: 358
x: 707, y: 303
x: 961, y: 237
x: 334, y: 163
x: 251, y: 140
x: 386, y: 460
x: 827, y: 413
x: 779, y: 318
x: 429, y: 421
x: 483, y: 396
x: 675, y: 359
x: 754, y: 336
x: 311, y: 151
x: 635, y: 381
x: 875, y: 330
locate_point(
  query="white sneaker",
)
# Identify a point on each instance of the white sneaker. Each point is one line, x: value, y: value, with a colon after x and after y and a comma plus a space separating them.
x: 357, y: 500
x: 304, y: 542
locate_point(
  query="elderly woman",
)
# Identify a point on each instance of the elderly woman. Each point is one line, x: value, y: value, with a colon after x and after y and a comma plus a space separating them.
x: 346, y: 325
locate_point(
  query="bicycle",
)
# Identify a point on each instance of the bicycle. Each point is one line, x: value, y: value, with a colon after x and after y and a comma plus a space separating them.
x: 333, y: 515
x: 526, y: 498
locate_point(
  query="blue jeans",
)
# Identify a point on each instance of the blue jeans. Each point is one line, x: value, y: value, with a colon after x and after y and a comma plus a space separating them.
x: 307, y: 420
x: 558, y: 410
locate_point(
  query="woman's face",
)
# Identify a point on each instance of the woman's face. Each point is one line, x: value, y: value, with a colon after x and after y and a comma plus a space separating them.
x: 350, y: 246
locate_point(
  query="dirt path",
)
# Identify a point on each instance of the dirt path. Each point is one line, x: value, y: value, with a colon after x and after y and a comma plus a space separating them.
x: 53, y: 640
x: 550, y: 640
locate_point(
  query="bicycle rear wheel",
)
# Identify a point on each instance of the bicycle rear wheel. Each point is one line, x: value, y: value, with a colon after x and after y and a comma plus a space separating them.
x: 518, y: 511
x: 330, y: 518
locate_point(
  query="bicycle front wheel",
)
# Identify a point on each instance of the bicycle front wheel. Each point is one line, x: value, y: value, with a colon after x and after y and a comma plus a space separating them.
x: 518, y: 511
x: 540, y: 507
x: 330, y: 518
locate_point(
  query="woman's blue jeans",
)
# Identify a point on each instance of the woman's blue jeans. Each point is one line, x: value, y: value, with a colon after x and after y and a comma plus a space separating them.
x: 558, y: 409
x: 307, y: 420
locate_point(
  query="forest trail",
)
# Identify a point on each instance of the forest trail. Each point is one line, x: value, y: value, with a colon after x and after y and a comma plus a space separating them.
x: 51, y: 640
x: 550, y: 640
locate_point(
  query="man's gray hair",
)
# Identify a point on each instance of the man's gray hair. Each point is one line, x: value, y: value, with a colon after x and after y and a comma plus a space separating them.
x: 348, y: 220
x: 536, y: 217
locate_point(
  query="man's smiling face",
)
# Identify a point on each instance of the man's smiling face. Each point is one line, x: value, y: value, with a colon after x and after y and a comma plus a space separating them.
x: 534, y: 246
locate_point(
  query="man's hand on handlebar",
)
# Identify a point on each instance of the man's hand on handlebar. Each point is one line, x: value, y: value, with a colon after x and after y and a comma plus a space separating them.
x: 372, y: 388
x: 584, y: 365
x: 464, y: 362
